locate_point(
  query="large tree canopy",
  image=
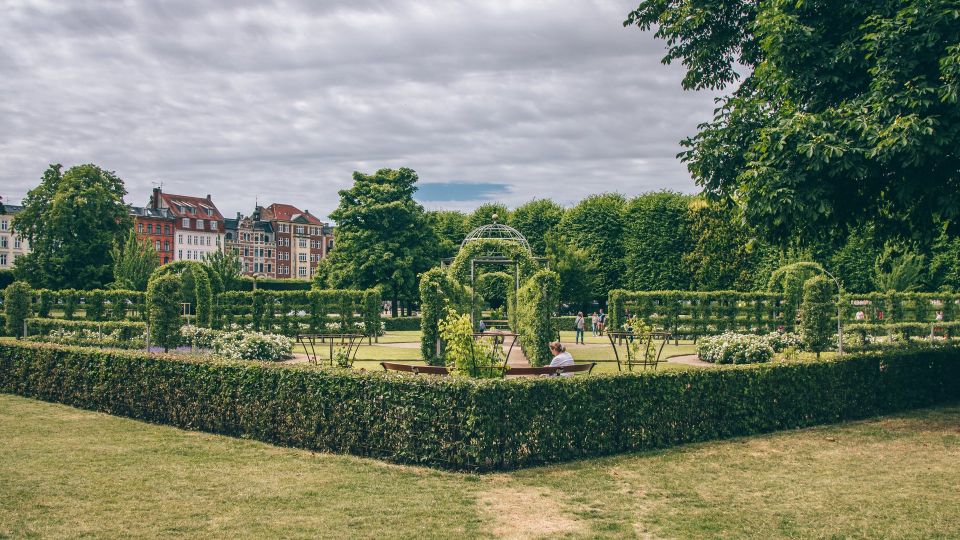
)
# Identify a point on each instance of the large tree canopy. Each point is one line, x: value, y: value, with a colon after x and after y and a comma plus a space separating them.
x: 382, y: 238
x: 535, y: 220
x: 849, y: 114
x: 72, y: 221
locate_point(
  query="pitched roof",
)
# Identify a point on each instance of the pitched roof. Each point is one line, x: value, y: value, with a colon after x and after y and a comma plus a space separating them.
x: 201, y: 206
x: 287, y: 212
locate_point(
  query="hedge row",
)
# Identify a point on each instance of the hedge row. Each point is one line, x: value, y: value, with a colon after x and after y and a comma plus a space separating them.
x: 293, y: 312
x: 477, y: 424
x: 886, y: 308
x: 245, y: 283
x: 535, y: 302
x: 700, y: 313
x: 396, y: 324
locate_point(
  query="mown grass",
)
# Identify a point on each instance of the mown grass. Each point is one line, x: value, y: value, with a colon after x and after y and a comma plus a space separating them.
x: 67, y: 473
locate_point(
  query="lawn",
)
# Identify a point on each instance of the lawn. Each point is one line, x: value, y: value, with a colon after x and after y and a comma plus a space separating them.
x: 67, y: 472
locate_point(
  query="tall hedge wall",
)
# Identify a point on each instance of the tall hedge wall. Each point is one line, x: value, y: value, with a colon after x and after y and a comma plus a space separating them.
x: 536, y: 301
x: 471, y: 424
x: 293, y: 312
x: 698, y: 313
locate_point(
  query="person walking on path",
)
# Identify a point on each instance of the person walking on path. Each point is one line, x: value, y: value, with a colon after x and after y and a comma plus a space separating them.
x: 579, y: 323
x: 602, y: 322
x: 594, y: 320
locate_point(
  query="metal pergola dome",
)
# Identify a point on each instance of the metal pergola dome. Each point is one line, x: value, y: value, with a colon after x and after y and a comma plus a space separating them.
x: 497, y: 231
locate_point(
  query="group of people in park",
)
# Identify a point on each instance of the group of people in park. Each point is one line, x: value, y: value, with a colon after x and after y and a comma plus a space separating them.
x: 598, y: 321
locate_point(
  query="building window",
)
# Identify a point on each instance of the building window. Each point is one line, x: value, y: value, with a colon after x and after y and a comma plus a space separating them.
x: 166, y: 229
x: 302, y: 271
x: 186, y: 223
x: 269, y: 268
x: 16, y: 242
x: 3, y: 225
x: 166, y: 245
x: 269, y: 253
x: 208, y: 240
x: 189, y: 240
x: 302, y: 242
x: 213, y: 225
x: 3, y: 258
x: 200, y: 224
x: 180, y: 254
x: 156, y: 245
x: 3, y: 241
x: 303, y: 257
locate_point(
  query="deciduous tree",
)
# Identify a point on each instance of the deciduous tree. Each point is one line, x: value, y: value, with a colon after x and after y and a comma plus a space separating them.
x: 849, y: 112
x: 535, y: 220
x: 72, y: 221
x: 133, y: 262
x: 382, y: 237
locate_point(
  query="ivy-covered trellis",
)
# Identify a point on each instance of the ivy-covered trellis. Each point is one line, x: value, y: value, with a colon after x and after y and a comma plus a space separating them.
x: 531, y: 297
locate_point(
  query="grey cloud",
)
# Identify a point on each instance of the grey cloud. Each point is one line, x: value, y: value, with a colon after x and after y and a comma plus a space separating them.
x: 282, y: 101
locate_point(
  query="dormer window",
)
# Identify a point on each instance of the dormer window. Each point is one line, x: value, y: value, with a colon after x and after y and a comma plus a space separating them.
x: 200, y: 224
x: 186, y: 223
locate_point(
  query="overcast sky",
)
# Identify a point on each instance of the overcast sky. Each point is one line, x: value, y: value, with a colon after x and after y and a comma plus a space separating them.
x: 502, y: 100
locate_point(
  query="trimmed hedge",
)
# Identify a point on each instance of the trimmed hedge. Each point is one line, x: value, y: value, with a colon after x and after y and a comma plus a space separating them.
x: 700, y: 313
x: 294, y: 312
x: 396, y: 324
x: 273, y: 284
x: 482, y: 425
x: 535, y: 302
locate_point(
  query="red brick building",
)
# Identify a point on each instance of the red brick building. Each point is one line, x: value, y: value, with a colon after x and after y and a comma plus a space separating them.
x: 198, y: 224
x: 157, y: 226
x: 302, y: 239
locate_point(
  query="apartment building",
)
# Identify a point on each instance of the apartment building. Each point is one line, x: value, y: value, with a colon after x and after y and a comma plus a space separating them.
x: 301, y: 239
x: 197, y: 224
x: 157, y: 226
x: 11, y: 245
x: 254, y: 242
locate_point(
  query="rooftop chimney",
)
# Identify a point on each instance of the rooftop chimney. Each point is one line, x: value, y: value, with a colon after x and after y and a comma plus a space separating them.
x: 155, y: 199
x: 208, y: 198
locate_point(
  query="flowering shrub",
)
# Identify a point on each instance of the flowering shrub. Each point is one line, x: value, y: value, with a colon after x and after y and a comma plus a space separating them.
x: 85, y: 337
x: 781, y: 341
x: 731, y: 348
x: 355, y: 328
x: 252, y: 346
x: 201, y: 338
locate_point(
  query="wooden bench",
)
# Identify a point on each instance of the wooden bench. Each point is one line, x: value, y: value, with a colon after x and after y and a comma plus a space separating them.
x: 555, y: 371
x: 416, y: 370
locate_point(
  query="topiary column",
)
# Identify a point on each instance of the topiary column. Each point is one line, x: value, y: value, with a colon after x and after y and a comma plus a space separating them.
x: 16, y: 304
x: 163, y: 310
x: 816, y: 312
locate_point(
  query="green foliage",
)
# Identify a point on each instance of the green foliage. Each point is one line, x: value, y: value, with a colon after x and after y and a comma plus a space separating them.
x: 494, y: 286
x: 536, y: 302
x: 577, y: 271
x: 460, y: 267
x: 199, y: 283
x: 438, y: 293
x: 788, y: 280
x: 656, y: 238
x: 854, y: 261
x: 115, y: 334
x: 482, y: 425
x: 848, y: 113
x: 899, y: 270
x: 94, y: 305
x: 596, y: 225
x: 536, y: 220
x: 6, y: 278
x: 817, y: 312
x: 133, y: 262
x: 944, y: 264
x: 16, y: 307
x: 72, y: 221
x: 722, y: 255
x: 450, y: 228
x: 163, y: 309
x: 245, y: 283
x: 226, y: 265
x: 484, y: 213
x: 401, y: 324
x: 473, y: 358
x: 330, y: 311
x: 382, y: 238
x: 698, y: 313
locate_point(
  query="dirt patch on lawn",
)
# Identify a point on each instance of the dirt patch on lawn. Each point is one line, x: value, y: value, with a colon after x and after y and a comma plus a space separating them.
x: 527, y: 512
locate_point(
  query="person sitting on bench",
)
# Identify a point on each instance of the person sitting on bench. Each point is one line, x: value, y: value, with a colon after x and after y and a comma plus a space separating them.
x: 560, y: 357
